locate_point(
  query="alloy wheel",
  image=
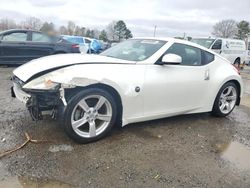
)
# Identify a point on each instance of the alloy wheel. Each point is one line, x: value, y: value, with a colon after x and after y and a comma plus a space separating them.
x: 227, y: 99
x: 91, y: 116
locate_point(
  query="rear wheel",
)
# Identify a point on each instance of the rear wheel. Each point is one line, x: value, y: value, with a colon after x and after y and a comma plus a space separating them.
x: 225, y: 100
x: 90, y: 115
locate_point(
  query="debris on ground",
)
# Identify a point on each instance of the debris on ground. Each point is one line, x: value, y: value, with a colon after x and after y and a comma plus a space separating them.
x: 63, y: 147
x: 28, y: 139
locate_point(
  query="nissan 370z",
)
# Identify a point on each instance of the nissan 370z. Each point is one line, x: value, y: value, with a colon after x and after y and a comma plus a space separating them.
x: 137, y: 80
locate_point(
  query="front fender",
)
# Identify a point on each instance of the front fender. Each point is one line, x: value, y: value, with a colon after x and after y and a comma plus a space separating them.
x: 123, y: 78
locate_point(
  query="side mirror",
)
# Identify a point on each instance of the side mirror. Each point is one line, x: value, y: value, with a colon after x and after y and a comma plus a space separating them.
x: 171, y: 59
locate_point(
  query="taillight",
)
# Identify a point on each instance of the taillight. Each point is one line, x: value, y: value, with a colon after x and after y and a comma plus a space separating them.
x: 237, y: 69
x: 74, y: 46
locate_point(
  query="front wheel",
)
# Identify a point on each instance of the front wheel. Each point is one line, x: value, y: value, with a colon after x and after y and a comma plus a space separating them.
x: 90, y: 115
x: 225, y: 100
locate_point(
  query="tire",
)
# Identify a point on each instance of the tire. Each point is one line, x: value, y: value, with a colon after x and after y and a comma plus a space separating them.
x: 225, y: 100
x: 88, y: 106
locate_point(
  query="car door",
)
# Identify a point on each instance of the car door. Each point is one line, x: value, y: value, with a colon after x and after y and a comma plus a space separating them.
x: 217, y: 46
x: 39, y: 45
x: 176, y: 89
x: 13, y: 47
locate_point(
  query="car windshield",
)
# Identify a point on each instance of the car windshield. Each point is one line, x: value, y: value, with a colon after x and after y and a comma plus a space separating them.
x: 134, y: 49
x: 203, y: 42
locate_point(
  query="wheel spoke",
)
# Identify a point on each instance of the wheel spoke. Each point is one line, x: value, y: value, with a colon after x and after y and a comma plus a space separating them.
x: 229, y: 90
x: 92, y: 129
x: 103, y: 117
x: 79, y: 123
x: 100, y: 103
x: 222, y: 107
x: 231, y: 97
x: 227, y: 106
x: 84, y: 105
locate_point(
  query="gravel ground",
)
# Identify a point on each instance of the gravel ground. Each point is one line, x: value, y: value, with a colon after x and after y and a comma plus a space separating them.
x: 185, y: 151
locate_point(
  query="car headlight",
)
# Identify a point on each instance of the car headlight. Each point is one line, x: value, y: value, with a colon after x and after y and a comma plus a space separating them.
x: 42, y: 83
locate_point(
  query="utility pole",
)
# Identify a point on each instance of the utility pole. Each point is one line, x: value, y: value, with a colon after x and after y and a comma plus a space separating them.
x: 155, y: 30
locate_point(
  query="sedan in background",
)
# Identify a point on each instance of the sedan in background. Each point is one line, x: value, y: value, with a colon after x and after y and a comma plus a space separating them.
x: 136, y: 80
x: 87, y: 45
x: 83, y: 42
x: 19, y: 46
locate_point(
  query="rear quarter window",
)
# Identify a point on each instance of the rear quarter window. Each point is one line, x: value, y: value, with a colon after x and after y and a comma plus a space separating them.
x: 207, y: 57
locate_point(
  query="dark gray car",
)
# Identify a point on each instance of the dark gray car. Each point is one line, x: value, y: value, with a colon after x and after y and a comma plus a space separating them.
x: 18, y: 46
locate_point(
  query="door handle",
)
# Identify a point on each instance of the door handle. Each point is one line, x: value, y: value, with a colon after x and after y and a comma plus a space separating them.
x: 21, y: 43
x: 207, y: 76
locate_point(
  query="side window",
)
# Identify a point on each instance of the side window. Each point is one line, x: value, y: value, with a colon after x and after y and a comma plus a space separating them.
x: 15, y: 37
x: 217, y: 45
x: 87, y: 41
x: 207, y: 57
x: 191, y: 56
x: 39, y: 37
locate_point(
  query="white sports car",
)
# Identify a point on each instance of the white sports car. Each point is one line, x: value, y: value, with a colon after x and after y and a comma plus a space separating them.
x: 137, y: 80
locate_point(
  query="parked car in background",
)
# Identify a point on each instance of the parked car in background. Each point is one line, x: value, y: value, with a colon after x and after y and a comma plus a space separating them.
x: 248, y: 53
x: 95, y: 47
x: 104, y: 45
x: 136, y: 80
x: 18, y: 46
x: 83, y: 42
x: 86, y: 45
x: 232, y: 49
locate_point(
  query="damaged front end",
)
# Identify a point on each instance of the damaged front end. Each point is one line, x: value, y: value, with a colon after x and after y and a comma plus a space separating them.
x: 39, y: 102
x: 43, y: 102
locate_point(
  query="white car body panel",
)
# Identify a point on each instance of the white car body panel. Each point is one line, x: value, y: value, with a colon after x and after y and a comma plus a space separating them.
x: 165, y: 90
x: 33, y: 67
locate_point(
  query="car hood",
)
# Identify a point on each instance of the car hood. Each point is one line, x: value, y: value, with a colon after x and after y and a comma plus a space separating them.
x: 52, y: 62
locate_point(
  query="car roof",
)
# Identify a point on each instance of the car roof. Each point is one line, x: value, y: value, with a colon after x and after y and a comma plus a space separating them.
x: 22, y: 30
x: 174, y: 40
x: 229, y: 39
x: 72, y: 36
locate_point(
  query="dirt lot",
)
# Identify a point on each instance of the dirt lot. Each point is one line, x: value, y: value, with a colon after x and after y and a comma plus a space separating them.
x: 185, y: 151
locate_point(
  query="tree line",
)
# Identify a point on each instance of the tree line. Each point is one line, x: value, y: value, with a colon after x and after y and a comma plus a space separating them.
x: 115, y: 31
x: 231, y: 29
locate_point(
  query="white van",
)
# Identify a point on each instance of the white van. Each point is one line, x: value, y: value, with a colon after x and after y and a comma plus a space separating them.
x: 248, y: 53
x: 232, y: 49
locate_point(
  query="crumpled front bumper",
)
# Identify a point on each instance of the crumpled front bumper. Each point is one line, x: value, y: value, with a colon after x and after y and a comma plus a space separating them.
x: 38, y: 102
x: 18, y: 93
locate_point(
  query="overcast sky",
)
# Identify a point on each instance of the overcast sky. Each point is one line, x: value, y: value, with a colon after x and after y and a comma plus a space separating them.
x: 172, y: 17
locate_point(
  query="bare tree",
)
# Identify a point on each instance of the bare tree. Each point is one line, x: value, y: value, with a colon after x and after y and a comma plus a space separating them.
x: 225, y: 29
x: 6, y: 23
x: 63, y: 30
x: 79, y: 31
x: 111, y: 31
x: 48, y: 27
x: 71, y: 27
x: 33, y: 23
